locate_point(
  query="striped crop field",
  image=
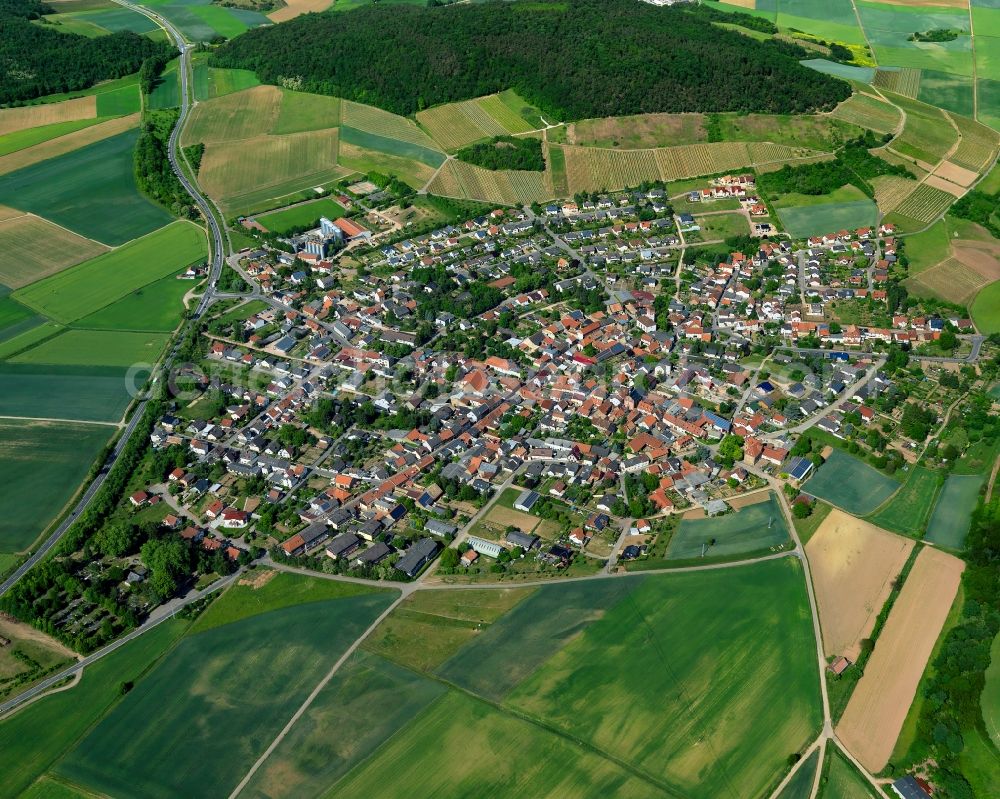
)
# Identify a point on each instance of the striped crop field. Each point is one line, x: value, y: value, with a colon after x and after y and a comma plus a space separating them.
x: 691, y: 160
x: 34, y: 116
x: 501, y: 107
x: 384, y: 123
x: 891, y: 190
x: 598, y: 169
x: 765, y: 152
x: 927, y: 134
x: 455, y: 125
x: 868, y: 112
x: 446, y: 182
x: 901, y: 81
x: 925, y: 204
x: 978, y: 145
x: 236, y: 116
x: 298, y: 160
x: 502, y: 186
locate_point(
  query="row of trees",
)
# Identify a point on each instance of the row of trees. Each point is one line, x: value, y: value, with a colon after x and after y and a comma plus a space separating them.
x: 38, y: 59
x: 578, y: 59
x: 153, y: 173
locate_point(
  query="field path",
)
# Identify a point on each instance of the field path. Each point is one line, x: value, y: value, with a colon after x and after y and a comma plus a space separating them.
x: 407, y: 589
x: 63, y: 421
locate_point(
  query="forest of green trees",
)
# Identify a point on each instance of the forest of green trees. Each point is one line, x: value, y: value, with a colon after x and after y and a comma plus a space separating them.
x: 36, y: 60
x: 153, y: 173
x: 505, y: 152
x: 575, y: 59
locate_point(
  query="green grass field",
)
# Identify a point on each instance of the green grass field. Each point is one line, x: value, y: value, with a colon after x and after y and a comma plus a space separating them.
x: 910, y: 508
x: 86, y: 393
x: 949, y: 524
x: 394, y: 147
x: 669, y: 639
x: 96, y: 347
x: 167, y: 91
x: 33, y: 740
x: 41, y: 467
x: 754, y: 528
x: 461, y: 746
x: 842, y: 780
x: 154, y: 307
x: 302, y: 214
x: 928, y: 248
x: 229, y: 690
x: 91, y: 191
x: 77, y: 292
x: 355, y: 713
x: 814, y: 220
x: 850, y: 484
x: 800, y: 785
x: 19, y: 140
x: 301, y: 111
x: 985, y: 309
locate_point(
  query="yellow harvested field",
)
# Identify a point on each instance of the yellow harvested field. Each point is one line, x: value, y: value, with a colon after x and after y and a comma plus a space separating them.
x: 9, y: 213
x: 26, y: 261
x: 891, y: 190
x: 66, y: 144
x: 34, y: 116
x: 877, y: 708
x: 240, y: 115
x: 229, y: 171
x: 384, y: 123
x: 457, y: 124
x: 853, y: 564
x: 293, y: 8
x: 956, y: 174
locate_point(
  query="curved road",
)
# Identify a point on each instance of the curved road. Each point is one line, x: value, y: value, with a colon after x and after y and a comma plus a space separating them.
x: 217, y: 250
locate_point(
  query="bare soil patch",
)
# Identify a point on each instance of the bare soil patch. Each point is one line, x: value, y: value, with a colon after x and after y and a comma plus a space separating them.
x: 939, y: 182
x: 853, y: 564
x: 956, y: 174
x: 293, y: 8
x: 17, y: 631
x: 258, y: 578
x: 505, y: 517
x: 876, y: 711
x: 742, y: 500
x: 979, y: 257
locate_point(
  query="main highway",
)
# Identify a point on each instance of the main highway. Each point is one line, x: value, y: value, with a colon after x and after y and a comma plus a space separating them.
x: 218, y: 254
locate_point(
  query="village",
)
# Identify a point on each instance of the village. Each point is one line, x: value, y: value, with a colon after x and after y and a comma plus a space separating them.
x: 533, y: 392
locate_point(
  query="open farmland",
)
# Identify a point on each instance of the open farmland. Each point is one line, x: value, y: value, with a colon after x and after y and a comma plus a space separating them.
x: 950, y: 280
x: 901, y: 81
x: 642, y: 131
x: 90, y: 191
x: 925, y: 204
x: 241, y: 115
x: 265, y: 168
x: 61, y: 718
x: 87, y: 393
x: 301, y: 214
x: 801, y: 784
x: 25, y: 261
x: 891, y: 190
x: 673, y: 630
x: 598, y: 169
x: 35, y: 116
x: 357, y: 159
x: 910, y: 508
x: 455, y: 125
x: 353, y: 716
x: 282, y: 654
x: 853, y: 564
x: 751, y: 529
x: 156, y: 306
x: 878, y: 706
x: 985, y: 309
x: 927, y: 134
x: 952, y: 515
x: 41, y: 466
x: 96, y: 347
x: 844, y: 781
x: 850, y: 484
x: 870, y: 112
x: 464, y: 747
x: 293, y: 8
x: 75, y: 293
x: 398, y: 148
x: 507, y: 187
x: 301, y: 112
x: 815, y: 220
x: 65, y: 144
x: 978, y: 146
x: 25, y: 139
x: 384, y: 123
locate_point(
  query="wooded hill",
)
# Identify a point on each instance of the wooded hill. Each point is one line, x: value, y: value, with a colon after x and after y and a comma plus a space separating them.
x: 36, y: 60
x: 573, y: 59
